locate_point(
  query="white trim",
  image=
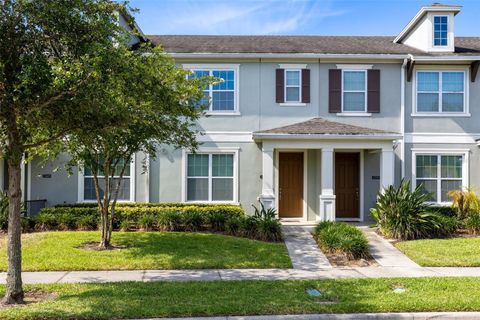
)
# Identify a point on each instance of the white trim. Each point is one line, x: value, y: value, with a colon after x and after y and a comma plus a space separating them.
x: 299, y: 86
x: 292, y: 66
x: 365, y: 91
x: 210, y: 151
x: 354, y: 114
x: 420, y: 15
x: 225, y: 136
x: 440, y: 70
x: 355, y: 67
x: 236, y: 92
x: 465, y: 153
x: 237, y: 55
x: 81, y: 184
x: 361, y: 186
x: 305, y: 182
x: 29, y: 180
x: 442, y: 138
x: 443, y: 47
x: 293, y: 104
x: 284, y: 136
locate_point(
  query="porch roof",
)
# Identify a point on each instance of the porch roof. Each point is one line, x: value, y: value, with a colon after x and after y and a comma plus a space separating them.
x: 319, y: 128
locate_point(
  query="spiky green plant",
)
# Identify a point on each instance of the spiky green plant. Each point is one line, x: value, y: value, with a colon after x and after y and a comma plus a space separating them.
x: 403, y: 214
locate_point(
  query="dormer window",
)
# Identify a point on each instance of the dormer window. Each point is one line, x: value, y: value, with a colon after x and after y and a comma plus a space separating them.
x: 440, y: 30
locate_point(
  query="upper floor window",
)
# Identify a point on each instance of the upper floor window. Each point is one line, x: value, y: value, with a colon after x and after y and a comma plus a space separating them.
x: 440, y: 31
x: 221, y: 97
x: 441, y: 91
x: 293, y: 86
x: 354, y: 93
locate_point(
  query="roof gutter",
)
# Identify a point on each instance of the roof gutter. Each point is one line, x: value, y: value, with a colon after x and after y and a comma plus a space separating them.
x: 283, y: 136
x: 288, y: 55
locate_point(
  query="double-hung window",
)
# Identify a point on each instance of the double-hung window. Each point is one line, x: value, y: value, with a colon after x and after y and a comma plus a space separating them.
x: 440, y: 173
x: 124, y: 193
x: 221, y: 97
x: 440, y: 91
x: 354, y: 91
x: 210, y: 177
x: 440, y: 31
x: 293, y: 85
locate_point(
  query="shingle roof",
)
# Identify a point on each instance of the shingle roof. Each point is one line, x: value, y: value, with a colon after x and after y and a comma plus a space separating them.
x: 320, y: 126
x: 299, y: 44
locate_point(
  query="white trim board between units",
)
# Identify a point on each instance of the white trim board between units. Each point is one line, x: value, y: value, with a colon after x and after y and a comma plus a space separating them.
x: 226, y: 136
x: 433, y: 137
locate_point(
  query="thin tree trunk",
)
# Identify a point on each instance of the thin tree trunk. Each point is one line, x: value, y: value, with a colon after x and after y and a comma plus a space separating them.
x: 105, y: 242
x: 115, y: 197
x: 14, y: 292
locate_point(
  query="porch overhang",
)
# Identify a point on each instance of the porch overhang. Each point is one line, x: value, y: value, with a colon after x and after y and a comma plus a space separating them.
x: 321, y: 129
x: 274, y: 136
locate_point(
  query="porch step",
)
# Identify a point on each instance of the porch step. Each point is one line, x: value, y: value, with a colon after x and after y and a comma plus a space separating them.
x: 302, y: 248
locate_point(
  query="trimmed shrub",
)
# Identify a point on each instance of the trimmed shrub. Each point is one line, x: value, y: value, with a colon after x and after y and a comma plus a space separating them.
x: 340, y: 237
x: 87, y: 223
x: 217, y: 221
x: 193, y: 221
x: 146, y: 222
x: 66, y: 222
x: 403, y: 214
x: 234, y: 225
x: 250, y: 226
x: 170, y: 221
x: 443, y: 210
x: 443, y: 226
x: 46, y: 221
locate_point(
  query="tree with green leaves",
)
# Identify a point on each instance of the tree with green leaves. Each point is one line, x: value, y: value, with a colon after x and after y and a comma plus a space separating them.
x: 51, y: 54
x: 153, y: 102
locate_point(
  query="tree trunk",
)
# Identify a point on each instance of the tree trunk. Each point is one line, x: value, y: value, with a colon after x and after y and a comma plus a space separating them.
x: 105, y: 240
x: 14, y: 292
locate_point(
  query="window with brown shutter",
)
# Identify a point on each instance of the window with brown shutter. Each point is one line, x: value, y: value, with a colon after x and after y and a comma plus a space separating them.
x: 279, y: 85
x: 334, y: 90
x: 306, y: 85
x: 373, y: 87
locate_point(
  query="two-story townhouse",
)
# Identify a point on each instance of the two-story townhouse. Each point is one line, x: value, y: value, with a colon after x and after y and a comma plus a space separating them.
x: 314, y: 126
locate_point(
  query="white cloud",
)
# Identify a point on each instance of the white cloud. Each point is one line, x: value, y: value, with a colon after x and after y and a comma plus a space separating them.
x: 238, y: 17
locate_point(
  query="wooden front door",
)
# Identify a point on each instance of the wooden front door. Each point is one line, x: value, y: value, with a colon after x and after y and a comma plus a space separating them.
x: 347, y: 185
x: 290, y: 185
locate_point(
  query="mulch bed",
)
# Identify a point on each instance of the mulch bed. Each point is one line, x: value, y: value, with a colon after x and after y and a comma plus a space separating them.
x: 93, y: 245
x: 341, y: 260
x: 32, y: 296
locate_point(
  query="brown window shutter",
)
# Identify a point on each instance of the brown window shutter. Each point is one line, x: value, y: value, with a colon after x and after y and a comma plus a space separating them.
x: 334, y: 90
x: 279, y: 86
x: 373, y: 91
x: 306, y: 85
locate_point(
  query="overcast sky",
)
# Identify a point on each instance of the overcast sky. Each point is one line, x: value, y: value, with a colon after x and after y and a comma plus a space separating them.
x: 322, y: 17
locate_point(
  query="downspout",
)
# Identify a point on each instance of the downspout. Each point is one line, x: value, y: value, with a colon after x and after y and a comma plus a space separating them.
x: 402, y: 114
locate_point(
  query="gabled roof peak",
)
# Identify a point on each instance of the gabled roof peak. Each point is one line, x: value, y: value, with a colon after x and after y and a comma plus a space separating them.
x: 434, y: 7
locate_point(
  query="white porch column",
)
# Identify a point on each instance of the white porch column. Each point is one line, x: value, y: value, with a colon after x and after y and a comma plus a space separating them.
x: 268, y: 193
x: 327, y: 196
x: 387, y: 168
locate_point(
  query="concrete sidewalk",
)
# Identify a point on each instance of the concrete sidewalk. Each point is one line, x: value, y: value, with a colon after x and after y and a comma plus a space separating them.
x: 240, y: 274
x: 350, y: 316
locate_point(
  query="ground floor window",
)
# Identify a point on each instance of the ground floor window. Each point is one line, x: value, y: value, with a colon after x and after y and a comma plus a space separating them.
x: 440, y: 173
x: 125, y: 186
x: 210, y: 177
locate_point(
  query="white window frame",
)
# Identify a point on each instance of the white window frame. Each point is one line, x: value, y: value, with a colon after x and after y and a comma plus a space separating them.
x: 221, y: 67
x: 210, y: 152
x: 465, y: 153
x: 355, y: 91
x: 81, y: 184
x: 433, y: 31
x: 299, y: 86
x: 440, y: 113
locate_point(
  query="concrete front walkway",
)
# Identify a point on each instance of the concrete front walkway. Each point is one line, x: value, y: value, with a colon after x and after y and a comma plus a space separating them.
x: 384, y: 252
x: 303, y: 250
x: 349, y: 316
x: 240, y: 274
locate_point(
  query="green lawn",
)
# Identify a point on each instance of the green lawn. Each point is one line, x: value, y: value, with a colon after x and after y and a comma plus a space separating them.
x: 455, y: 252
x: 161, y: 299
x: 146, y: 250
